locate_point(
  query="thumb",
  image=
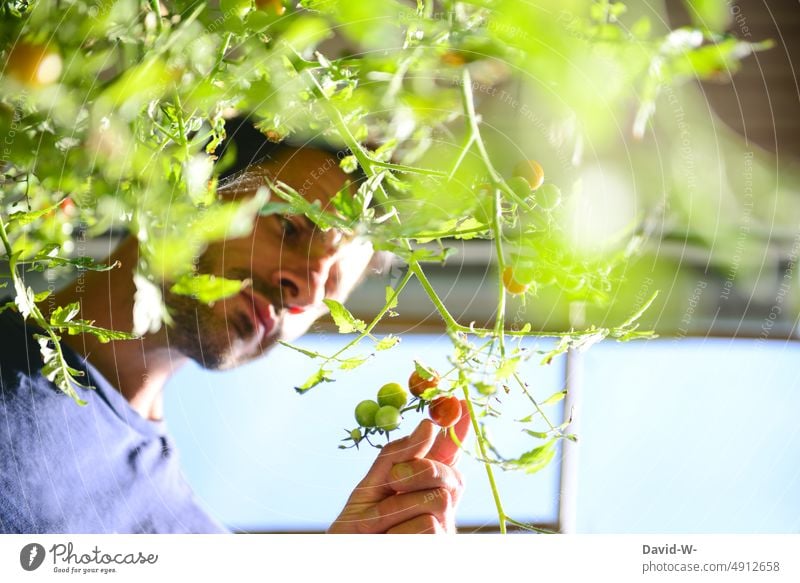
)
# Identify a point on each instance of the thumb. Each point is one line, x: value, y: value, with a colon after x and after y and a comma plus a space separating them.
x: 413, y: 446
x: 445, y: 449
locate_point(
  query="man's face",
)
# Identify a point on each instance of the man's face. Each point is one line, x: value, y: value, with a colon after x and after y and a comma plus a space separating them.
x: 292, y: 265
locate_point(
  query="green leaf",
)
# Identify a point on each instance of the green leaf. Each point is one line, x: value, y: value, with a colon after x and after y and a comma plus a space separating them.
x: 429, y: 394
x: 537, y: 434
x: 352, y: 363
x: 57, y: 371
x: 64, y: 314
x: 534, y: 460
x: 103, y: 334
x: 346, y: 322
x: 313, y: 210
x: 321, y: 376
x: 42, y: 295
x: 507, y: 368
x: 387, y: 342
x: 391, y: 302
x: 207, y: 288
x: 712, y: 15
x: 554, y: 398
x: 485, y: 389
x: 423, y: 371
x: 21, y: 218
x: 25, y: 298
x: 306, y: 33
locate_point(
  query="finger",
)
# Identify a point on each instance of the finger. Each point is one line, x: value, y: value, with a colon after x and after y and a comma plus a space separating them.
x: 444, y: 449
x: 425, y: 524
x: 399, y: 508
x: 425, y: 474
x: 413, y: 446
x: 375, y: 485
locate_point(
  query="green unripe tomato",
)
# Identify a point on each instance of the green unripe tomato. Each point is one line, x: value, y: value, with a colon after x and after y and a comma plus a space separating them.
x: 355, y: 434
x: 387, y: 418
x: 548, y: 196
x: 393, y: 395
x: 520, y: 186
x: 365, y: 413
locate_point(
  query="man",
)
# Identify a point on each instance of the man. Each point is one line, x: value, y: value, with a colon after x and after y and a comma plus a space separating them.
x: 111, y: 466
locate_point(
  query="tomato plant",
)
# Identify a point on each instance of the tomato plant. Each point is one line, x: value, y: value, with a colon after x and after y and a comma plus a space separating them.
x: 122, y: 105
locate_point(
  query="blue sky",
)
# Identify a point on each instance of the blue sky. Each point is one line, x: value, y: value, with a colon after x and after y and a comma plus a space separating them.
x: 675, y: 436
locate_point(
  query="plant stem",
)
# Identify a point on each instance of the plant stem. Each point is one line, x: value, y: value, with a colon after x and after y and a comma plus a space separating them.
x: 535, y: 404
x: 226, y: 42
x: 414, y: 266
x: 155, y: 6
x: 376, y: 319
x: 475, y: 135
x: 501, y: 515
x: 500, y: 319
x: 37, y: 315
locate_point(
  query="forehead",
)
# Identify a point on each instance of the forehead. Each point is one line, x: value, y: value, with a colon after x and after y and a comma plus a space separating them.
x: 315, y: 174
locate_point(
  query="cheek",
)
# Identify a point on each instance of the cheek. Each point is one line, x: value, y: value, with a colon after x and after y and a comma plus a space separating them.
x: 352, y: 267
x: 295, y: 326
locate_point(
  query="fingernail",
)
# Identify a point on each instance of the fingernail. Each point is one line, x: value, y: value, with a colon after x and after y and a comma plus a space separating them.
x: 402, y: 471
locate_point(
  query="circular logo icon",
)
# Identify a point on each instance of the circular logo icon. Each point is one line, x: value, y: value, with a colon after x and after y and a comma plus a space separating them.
x: 31, y: 556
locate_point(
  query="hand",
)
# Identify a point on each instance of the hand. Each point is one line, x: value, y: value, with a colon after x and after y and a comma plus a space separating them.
x: 411, y: 488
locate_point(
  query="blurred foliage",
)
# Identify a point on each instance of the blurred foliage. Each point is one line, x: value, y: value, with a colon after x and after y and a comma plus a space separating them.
x: 111, y: 113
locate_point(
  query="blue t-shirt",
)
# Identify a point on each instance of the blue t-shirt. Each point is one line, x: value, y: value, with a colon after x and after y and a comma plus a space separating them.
x: 101, y: 468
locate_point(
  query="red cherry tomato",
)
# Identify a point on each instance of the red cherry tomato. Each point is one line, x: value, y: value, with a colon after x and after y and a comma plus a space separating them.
x: 418, y: 385
x: 445, y: 410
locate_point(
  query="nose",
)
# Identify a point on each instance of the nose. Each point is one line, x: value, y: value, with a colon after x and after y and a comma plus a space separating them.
x: 305, y: 281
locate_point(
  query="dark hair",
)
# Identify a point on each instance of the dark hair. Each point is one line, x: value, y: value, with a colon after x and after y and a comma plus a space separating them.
x: 251, y: 146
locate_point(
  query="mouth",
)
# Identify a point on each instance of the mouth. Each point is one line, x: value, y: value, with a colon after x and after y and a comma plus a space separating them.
x: 261, y: 312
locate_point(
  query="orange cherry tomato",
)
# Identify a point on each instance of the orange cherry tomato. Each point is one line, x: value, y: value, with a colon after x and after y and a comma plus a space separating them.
x: 33, y: 64
x: 418, y: 385
x: 531, y: 171
x: 275, y: 5
x: 511, y: 284
x: 452, y: 59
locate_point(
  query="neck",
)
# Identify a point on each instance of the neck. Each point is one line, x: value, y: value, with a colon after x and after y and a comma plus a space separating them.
x: 138, y: 369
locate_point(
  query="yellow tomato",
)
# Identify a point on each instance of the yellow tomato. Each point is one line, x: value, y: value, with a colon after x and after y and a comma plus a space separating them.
x: 531, y: 171
x: 33, y: 64
x: 511, y: 284
x: 276, y: 5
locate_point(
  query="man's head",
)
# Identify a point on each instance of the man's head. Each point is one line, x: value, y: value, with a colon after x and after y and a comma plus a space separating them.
x: 292, y: 264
